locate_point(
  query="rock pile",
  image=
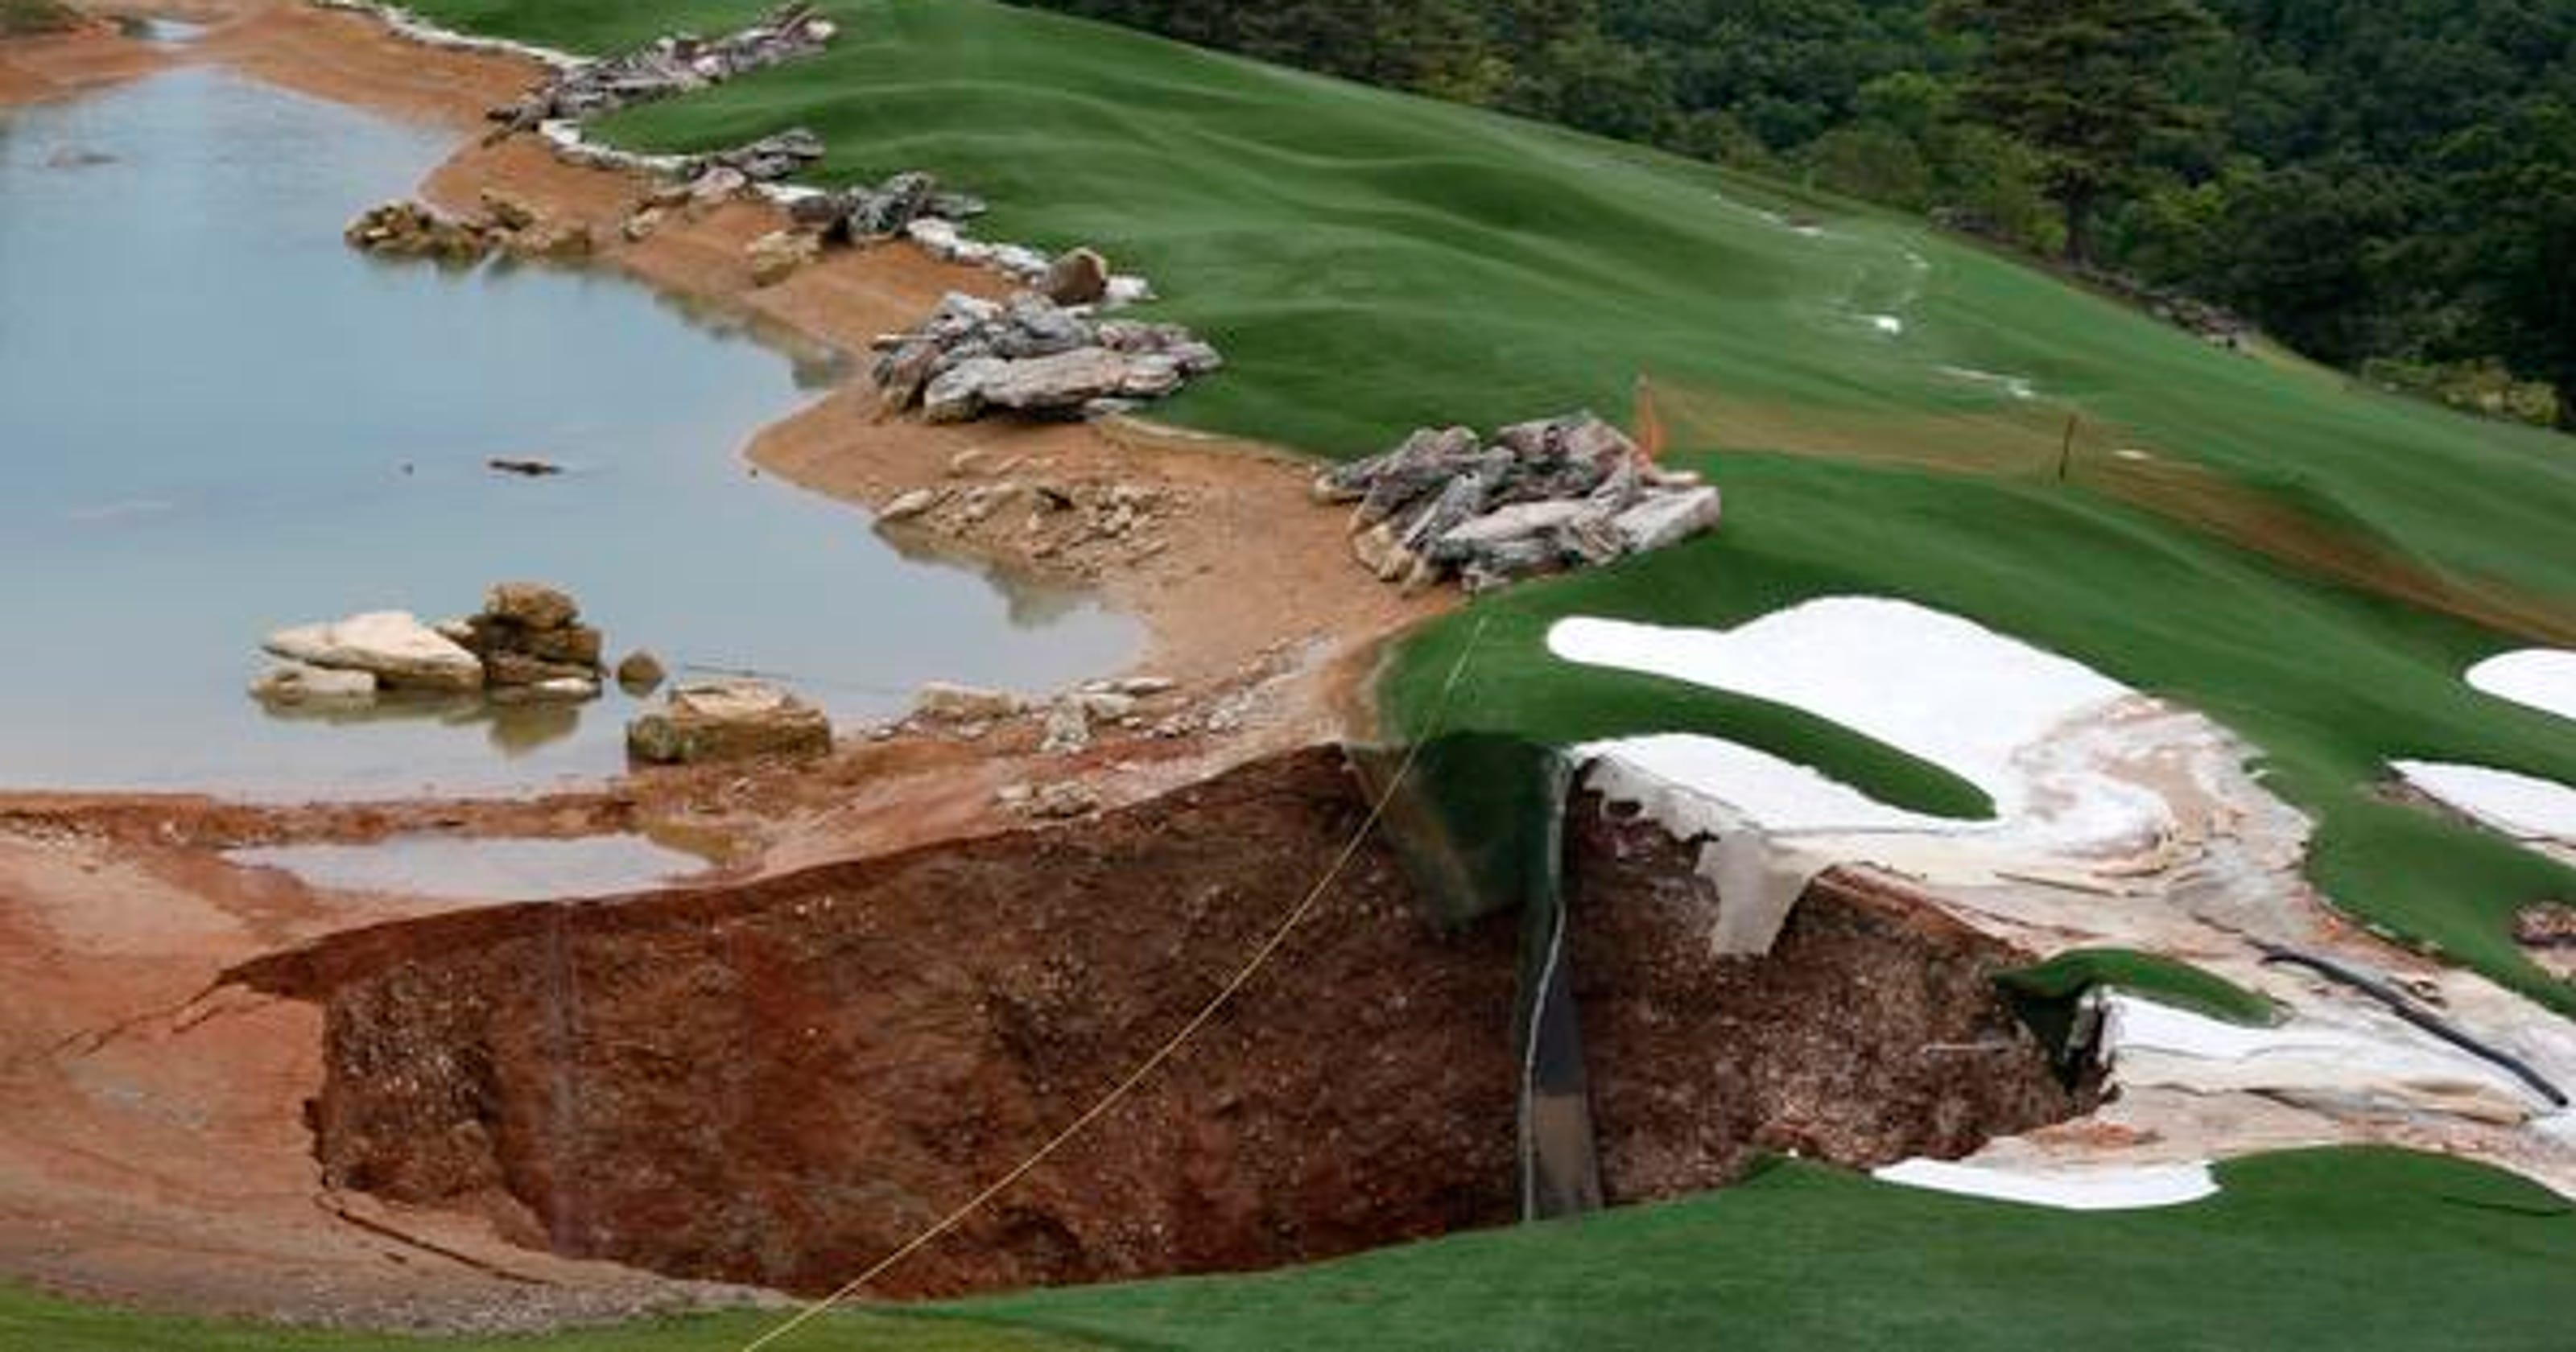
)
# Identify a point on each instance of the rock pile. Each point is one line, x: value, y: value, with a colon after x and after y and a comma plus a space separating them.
x: 531, y: 642
x: 408, y: 229
x: 727, y: 720
x: 766, y: 160
x: 1032, y: 355
x: 527, y: 643
x: 1560, y: 493
x: 913, y: 206
x: 861, y: 214
x: 1076, y: 525
x: 348, y: 661
x: 1065, y: 724
x: 2546, y: 924
x: 669, y: 65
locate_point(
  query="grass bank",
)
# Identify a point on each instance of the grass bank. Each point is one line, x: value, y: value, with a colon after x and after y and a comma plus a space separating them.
x: 2328, y: 683
x: 2367, y: 1249
x: 1372, y: 261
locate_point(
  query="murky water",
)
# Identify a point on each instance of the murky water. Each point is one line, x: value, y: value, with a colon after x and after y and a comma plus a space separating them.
x: 505, y: 869
x: 215, y: 420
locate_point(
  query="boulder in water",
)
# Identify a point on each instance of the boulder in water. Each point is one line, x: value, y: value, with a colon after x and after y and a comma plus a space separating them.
x: 392, y: 645
x: 303, y: 683
x: 726, y: 720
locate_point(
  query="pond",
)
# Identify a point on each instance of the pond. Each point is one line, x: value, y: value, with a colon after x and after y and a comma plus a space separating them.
x: 217, y: 420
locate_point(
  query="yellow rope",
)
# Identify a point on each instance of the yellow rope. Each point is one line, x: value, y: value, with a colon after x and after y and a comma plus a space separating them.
x: 1171, y: 1046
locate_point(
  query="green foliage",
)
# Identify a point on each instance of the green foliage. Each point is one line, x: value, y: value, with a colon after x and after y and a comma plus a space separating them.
x: 1372, y: 263
x: 2376, y: 178
x: 2077, y: 970
x: 2088, y: 84
x: 2482, y: 386
x: 20, y: 18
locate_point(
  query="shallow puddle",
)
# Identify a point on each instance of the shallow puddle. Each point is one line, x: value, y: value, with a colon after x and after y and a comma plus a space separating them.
x: 506, y: 869
x: 217, y: 420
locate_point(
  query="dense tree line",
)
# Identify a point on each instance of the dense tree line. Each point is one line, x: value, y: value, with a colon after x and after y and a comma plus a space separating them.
x: 2390, y: 182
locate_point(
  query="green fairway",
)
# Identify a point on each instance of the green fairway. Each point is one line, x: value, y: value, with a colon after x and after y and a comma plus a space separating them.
x: 1370, y: 262
x: 2069, y: 974
x: 2327, y: 683
x: 2350, y: 1249
x: 1882, y: 406
x: 2354, y: 1249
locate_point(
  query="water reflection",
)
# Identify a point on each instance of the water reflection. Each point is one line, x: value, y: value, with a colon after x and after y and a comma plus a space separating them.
x: 513, y: 728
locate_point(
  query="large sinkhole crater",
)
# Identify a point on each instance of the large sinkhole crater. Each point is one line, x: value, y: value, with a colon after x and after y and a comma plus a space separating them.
x: 781, y: 1081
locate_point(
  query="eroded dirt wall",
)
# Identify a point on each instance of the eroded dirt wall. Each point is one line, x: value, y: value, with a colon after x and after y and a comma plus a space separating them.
x: 781, y: 1082
x: 1870, y: 1033
x: 778, y: 1083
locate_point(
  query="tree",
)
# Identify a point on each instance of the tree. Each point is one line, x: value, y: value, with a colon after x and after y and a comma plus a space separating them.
x: 2510, y: 234
x: 2088, y: 84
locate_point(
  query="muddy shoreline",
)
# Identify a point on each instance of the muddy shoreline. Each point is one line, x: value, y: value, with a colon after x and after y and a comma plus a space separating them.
x: 155, y: 1147
x: 1244, y: 591
x: 152, y: 1145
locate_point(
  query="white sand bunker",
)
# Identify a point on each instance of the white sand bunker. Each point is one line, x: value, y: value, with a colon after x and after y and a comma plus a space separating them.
x: 2522, y: 806
x: 2543, y: 678
x: 2340, y: 1051
x: 2041, y: 735
x: 2094, y: 785
x: 2525, y: 807
x: 2098, y: 1188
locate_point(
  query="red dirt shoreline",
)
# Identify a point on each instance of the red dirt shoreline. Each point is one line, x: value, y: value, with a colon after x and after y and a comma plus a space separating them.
x: 152, y: 1146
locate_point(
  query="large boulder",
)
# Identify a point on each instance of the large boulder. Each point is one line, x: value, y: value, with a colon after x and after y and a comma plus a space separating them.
x: 1064, y: 380
x: 1078, y: 276
x: 302, y: 683
x: 947, y: 703
x: 1667, y: 519
x: 504, y: 668
x: 957, y: 394
x: 393, y: 645
x: 529, y: 634
x: 412, y: 230
x: 776, y: 256
x: 532, y: 604
x: 1031, y: 355
x: 725, y: 720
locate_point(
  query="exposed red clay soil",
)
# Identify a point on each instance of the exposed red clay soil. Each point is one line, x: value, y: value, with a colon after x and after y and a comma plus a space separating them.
x: 778, y: 1083
x: 781, y: 1076
x: 150, y: 1148
x: 1869, y: 1033
x: 40, y: 68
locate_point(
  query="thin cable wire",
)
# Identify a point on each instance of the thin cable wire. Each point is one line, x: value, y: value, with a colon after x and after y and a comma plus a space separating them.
x: 1171, y: 1046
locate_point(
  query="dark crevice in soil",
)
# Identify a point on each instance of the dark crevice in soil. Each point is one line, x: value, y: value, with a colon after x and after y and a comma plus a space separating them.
x: 779, y: 1082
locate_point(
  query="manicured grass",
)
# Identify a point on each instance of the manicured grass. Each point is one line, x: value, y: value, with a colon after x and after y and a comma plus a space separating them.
x: 1371, y: 262
x: 2356, y: 1249
x: 2349, y: 1249
x: 2327, y: 684
x: 2070, y: 974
